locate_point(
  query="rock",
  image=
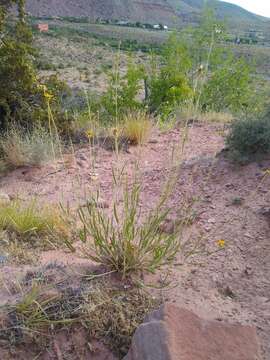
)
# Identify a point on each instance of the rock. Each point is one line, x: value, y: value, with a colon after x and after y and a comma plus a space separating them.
x: 4, y: 198
x: 265, y: 211
x: 3, y: 259
x: 167, y: 227
x: 173, y: 333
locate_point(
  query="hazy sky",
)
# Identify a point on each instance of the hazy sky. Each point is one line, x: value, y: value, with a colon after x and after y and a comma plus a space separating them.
x: 261, y: 7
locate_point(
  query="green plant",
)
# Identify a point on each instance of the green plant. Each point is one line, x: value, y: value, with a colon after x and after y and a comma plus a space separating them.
x: 121, y: 241
x: 228, y: 87
x: 137, y: 127
x: 169, y: 86
x: 29, y: 148
x: 19, y: 93
x: 30, y: 219
x: 249, y: 138
x: 38, y: 310
x: 122, y: 93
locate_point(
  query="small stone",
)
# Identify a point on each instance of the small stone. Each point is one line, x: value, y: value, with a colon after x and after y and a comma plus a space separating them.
x: 82, y: 157
x: 3, y: 259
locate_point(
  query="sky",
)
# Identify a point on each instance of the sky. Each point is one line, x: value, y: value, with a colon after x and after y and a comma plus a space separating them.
x: 260, y: 7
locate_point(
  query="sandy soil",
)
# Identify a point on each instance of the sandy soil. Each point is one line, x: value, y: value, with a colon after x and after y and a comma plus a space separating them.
x: 231, y: 285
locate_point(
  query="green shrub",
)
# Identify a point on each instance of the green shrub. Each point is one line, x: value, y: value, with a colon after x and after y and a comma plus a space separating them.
x: 19, y: 92
x: 23, y: 97
x: 169, y: 84
x: 228, y: 87
x: 249, y: 138
x: 122, y: 93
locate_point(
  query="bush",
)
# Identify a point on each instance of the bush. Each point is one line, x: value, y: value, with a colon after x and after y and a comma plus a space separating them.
x: 122, y: 93
x: 169, y: 86
x: 228, y: 87
x: 249, y: 138
x: 24, y: 148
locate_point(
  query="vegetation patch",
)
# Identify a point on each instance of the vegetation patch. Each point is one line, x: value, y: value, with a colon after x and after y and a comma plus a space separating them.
x: 29, y: 148
x: 249, y: 138
x: 108, y: 313
x: 31, y: 222
x: 137, y: 127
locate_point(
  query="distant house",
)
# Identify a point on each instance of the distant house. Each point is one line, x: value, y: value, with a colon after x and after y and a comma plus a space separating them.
x: 160, y: 27
x: 42, y: 27
x: 122, y: 23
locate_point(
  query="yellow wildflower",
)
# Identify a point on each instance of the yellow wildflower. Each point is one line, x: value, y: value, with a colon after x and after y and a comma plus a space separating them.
x: 221, y: 243
x: 48, y: 96
x: 116, y: 132
x: 90, y: 134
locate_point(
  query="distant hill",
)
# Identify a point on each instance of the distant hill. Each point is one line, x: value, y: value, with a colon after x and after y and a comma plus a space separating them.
x: 171, y: 12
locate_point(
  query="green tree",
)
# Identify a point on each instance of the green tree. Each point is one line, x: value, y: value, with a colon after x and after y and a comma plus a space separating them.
x: 122, y: 93
x: 228, y: 87
x: 20, y: 93
x: 169, y: 85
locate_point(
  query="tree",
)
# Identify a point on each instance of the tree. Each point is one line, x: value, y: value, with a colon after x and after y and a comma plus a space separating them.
x: 20, y: 93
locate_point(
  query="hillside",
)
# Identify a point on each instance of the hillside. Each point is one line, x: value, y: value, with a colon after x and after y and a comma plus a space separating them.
x: 173, y: 12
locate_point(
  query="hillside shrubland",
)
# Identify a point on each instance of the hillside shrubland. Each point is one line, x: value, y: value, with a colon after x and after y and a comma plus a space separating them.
x: 195, y: 77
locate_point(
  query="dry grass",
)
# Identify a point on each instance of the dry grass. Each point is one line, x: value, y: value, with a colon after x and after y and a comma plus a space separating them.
x: 110, y: 314
x: 34, y: 148
x: 217, y: 117
x: 137, y: 127
x: 190, y: 113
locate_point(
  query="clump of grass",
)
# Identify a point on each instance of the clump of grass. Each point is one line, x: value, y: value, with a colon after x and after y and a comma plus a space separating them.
x: 29, y: 148
x: 137, y: 127
x: 113, y: 315
x: 120, y: 240
x: 36, y: 311
x: 30, y: 219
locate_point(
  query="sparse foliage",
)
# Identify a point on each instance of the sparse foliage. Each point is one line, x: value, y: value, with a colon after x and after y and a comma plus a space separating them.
x: 249, y: 138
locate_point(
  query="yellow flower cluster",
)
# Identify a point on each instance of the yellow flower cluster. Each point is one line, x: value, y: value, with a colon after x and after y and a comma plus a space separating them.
x: 116, y: 131
x: 221, y: 243
x: 47, y: 95
x: 90, y: 134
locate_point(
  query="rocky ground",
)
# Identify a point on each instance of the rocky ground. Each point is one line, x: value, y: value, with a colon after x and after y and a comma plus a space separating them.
x: 229, y: 203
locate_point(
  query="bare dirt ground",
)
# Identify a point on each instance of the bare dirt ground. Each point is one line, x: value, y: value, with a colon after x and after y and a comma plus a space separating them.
x: 231, y: 204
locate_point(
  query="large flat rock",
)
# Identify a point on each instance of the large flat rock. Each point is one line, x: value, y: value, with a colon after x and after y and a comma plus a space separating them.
x: 173, y: 333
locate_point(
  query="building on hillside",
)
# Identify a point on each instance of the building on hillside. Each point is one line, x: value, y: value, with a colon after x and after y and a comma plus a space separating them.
x: 160, y: 27
x: 42, y: 27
